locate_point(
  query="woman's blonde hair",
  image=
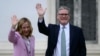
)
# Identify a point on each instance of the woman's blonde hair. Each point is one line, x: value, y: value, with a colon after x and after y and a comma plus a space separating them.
x: 20, y: 23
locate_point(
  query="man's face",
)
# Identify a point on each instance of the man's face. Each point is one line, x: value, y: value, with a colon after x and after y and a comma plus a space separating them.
x: 63, y: 16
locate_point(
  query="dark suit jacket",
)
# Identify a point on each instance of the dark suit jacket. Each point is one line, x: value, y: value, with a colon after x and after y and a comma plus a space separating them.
x: 77, y: 42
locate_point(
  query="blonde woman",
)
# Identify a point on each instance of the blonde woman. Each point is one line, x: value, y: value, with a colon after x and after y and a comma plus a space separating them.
x: 21, y: 37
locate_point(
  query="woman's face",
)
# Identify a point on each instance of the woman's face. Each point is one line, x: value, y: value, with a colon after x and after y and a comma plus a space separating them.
x: 26, y: 29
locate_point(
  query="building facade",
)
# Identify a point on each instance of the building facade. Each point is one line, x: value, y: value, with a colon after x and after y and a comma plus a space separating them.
x: 84, y: 14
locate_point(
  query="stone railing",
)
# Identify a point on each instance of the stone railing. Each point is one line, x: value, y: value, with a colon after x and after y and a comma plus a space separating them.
x: 6, y: 49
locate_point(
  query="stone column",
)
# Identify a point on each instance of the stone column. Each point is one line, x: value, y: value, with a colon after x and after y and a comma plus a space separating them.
x: 77, y: 12
x: 98, y: 21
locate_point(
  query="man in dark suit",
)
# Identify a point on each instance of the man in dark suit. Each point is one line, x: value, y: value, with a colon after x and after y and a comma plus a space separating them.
x: 63, y: 39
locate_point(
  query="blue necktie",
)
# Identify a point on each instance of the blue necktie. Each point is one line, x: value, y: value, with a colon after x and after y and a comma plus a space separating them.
x: 63, y: 43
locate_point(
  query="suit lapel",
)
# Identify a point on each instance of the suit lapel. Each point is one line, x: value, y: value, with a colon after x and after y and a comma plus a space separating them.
x: 56, y: 33
x: 71, y: 34
x: 71, y: 37
x: 31, y: 43
x: 21, y: 40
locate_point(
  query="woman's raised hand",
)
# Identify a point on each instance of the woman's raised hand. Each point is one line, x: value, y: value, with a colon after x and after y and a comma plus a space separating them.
x: 14, y: 21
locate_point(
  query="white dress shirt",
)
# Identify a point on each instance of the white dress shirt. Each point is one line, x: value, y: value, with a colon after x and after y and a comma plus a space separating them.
x: 57, y: 50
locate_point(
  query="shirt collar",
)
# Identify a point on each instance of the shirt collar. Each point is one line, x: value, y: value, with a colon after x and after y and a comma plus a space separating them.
x: 26, y: 38
x: 66, y: 26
